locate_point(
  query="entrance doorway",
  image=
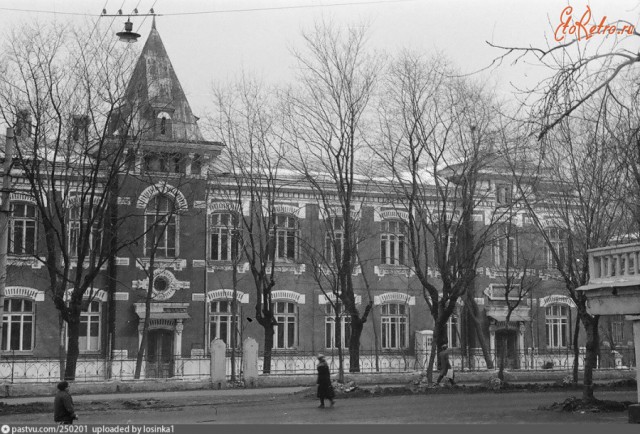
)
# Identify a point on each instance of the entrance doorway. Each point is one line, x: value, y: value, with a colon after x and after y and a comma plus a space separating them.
x: 508, y: 339
x: 160, y: 354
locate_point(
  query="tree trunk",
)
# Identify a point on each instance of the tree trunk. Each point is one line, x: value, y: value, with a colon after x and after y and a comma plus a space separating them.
x: 338, y: 341
x: 590, y: 323
x: 73, y: 350
x: 61, y: 346
x: 473, y: 311
x: 268, y: 346
x: 576, y: 350
x: 432, y: 358
x: 354, y: 344
x: 145, y: 327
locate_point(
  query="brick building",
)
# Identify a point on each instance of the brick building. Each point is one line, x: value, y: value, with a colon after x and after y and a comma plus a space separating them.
x: 174, y: 168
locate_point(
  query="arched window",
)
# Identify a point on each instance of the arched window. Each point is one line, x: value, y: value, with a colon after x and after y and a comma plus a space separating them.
x: 221, y: 321
x: 286, y: 334
x: 395, y: 329
x: 22, y: 231
x: 557, y: 325
x: 393, y: 248
x: 164, y: 124
x: 330, y: 327
x: 224, y: 236
x: 161, y: 227
x: 18, y: 324
x: 286, y: 237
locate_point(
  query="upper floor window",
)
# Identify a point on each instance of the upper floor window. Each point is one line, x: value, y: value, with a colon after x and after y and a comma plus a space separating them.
x: 334, y: 241
x: 221, y: 321
x: 22, y: 230
x: 557, y: 325
x: 286, y: 237
x: 504, y: 195
x: 330, y: 326
x: 393, y: 248
x: 161, y: 227
x: 224, y: 237
x: 79, y: 218
x: 556, y: 244
x: 395, y: 327
x: 505, y: 251
x: 90, y: 327
x: 286, y: 333
x: 18, y: 325
x: 163, y: 162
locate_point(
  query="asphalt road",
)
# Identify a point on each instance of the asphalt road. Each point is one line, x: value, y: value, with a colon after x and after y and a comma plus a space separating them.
x: 478, y: 408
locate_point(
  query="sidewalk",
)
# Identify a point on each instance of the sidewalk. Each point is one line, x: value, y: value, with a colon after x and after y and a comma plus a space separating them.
x: 224, y: 393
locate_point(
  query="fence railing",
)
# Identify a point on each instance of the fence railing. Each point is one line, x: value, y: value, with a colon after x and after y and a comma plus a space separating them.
x: 21, y: 369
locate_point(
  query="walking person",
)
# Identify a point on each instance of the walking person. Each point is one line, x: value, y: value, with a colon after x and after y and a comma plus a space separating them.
x: 445, y: 365
x: 325, y: 389
x: 63, y: 411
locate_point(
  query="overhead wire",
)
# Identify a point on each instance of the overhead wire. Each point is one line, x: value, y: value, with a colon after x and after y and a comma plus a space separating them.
x: 224, y: 11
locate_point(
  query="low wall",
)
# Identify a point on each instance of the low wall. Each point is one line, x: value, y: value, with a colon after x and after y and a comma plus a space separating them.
x: 462, y: 377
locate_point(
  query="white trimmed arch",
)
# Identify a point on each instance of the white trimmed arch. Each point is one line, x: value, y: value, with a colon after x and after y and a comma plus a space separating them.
x: 556, y: 299
x: 23, y: 292
x: 227, y: 294
x: 284, y: 295
x: 394, y: 297
x: 162, y: 188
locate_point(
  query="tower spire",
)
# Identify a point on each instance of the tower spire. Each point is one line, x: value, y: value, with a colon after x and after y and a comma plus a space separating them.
x: 153, y: 22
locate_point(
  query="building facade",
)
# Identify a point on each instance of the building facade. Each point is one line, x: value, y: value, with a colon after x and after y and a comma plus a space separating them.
x: 174, y: 179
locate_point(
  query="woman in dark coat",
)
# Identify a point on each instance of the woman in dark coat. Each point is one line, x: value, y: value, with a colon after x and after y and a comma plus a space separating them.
x: 325, y: 390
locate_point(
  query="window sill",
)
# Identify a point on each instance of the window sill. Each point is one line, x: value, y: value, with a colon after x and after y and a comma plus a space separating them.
x: 392, y: 270
x: 287, y: 267
x: 175, y: 263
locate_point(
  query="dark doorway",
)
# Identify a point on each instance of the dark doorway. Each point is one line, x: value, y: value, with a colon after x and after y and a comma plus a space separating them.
x: 160, y: 354
x: 508, y: 338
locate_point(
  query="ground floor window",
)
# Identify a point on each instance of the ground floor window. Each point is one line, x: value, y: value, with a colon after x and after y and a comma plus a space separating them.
x: 89, y: 337
x: 452, y: 332
x: 17, y: 325
x: 286, y: 332
x: 221, y: 322
x: 395, y: 331
x: 330, y: 327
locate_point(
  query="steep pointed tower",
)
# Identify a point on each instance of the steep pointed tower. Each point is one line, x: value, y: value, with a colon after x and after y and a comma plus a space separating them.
x: 162, y: 201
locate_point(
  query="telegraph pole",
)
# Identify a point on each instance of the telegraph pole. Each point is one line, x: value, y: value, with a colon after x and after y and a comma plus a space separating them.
x: 5, y: 209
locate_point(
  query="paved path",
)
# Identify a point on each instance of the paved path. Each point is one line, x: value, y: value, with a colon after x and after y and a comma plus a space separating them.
x: 472, y: 408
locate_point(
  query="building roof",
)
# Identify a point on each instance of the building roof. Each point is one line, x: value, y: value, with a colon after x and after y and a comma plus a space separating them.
x: 154, y: 87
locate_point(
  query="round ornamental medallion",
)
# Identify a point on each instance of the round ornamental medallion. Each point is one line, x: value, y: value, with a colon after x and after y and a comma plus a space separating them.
x: 164, y: 285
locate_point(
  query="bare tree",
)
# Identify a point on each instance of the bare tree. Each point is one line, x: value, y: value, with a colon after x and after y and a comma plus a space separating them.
x: 520, y: 279
x: 437, y: 136
x: 576, y: 206
x: 61, y: 91
x: 327, y: 116
x: 247, y: 122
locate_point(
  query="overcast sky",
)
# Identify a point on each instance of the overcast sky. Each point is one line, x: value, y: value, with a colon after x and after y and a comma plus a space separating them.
x: 213, y: 41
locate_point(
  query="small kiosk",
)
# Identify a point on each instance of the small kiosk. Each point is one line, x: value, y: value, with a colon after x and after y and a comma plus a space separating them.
x: 614, y: 289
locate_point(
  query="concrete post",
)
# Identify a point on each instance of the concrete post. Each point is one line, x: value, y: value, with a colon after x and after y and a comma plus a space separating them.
x: 250, y: 361
x: 218, y: 364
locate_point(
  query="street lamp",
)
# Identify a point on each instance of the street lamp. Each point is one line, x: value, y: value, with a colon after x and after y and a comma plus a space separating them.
x: 128, y: 36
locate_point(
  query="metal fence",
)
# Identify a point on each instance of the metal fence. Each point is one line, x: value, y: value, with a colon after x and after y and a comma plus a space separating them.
x: 21, y: 369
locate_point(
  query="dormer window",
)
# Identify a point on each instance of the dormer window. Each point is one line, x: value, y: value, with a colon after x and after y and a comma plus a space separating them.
x: 80, y: 128
x: 23, y: 124
x: 164, y: 124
